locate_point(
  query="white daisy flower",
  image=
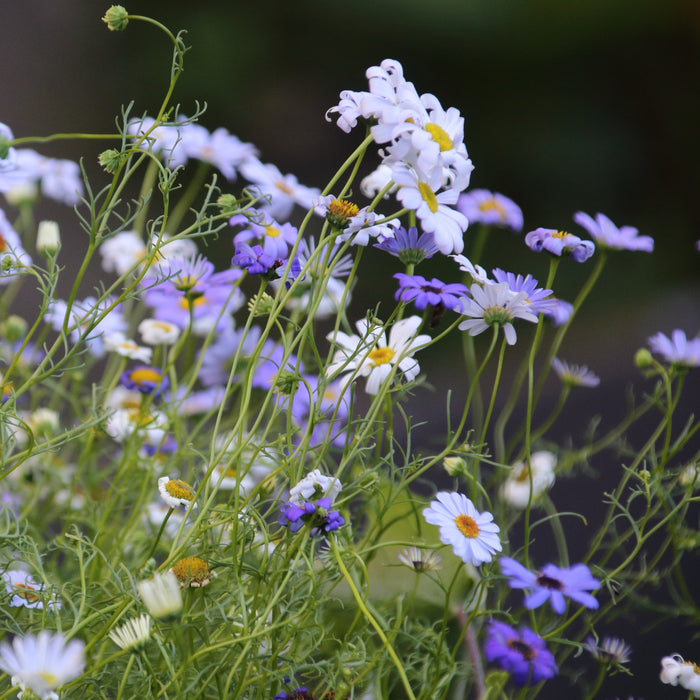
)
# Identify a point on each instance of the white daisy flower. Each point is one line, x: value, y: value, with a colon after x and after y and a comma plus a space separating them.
x: 121, y: 252
x: 175, y: 492
x: 133, y: 633
x: 418, y: 560
x: 370, y: 355
x: 516, y: 488
x: 119, y: 343
x: 676, y: 671
x: 121, y: 424
x: 43, y: 662
x: 315, y: 485
x: 161, y: 594
x: 26, y: 592
x: 154, y: 332
x: 472, y: 535
x: 493, y: 304
x: 420, y: 194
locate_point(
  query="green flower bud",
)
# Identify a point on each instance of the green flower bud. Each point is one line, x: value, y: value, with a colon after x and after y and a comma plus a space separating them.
x: 111, y: 159
x: 14, y: 328
x: 116, y: 18
x: 454, y: 466
x: 643, y: 359
x: 228, y: 204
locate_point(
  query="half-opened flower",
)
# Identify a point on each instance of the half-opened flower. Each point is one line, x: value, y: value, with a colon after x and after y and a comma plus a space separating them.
x: 407, y: 246
x: 552, y: 583
x: 559, y: 243
x: 134, y: 633
x: 522, y: 653
x: 607, y: 235
x: 43, y: 662
x: 472, y: 535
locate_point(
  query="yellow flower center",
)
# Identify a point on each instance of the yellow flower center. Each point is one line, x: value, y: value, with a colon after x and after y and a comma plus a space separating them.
x: 145, y: 375
x: 492, y: 205
x: 163, y: 326
x: 440, y: 136
x: 380, y: 356
x: 192, y: 571
x: 184, y: 282
x: 428, y: 196
x: 343, y: 209
x: 272, y: 231
x: 50, y: 678
x: 467, y: 526
x: 23, y: 591
x: 560, y: 234
x: 284, y: 187
x: 179, y: 489
x: 187, y: 303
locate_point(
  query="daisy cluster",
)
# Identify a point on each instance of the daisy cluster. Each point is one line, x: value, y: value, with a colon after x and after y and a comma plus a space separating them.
x: 212, y: 479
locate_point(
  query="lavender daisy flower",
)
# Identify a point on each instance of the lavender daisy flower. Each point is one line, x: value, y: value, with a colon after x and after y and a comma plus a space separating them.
x: 408, y: 247
x: 491, y: 209
x: 574, y: 375
x: 147, y: 380
x: 254, y: 259
x: 540, y: 299
x: 678, y: 349
x: 607, y: 235
x: 552, y: 583
x: 522, y: 653
x: 262, y: 228
x: 472, y: 535
x: 559, y: 243
x: 423, y: 293
x: 319, y: 515
x: 609, y: 650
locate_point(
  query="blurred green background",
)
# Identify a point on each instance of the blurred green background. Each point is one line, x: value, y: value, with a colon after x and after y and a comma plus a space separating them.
x: 569, y: 106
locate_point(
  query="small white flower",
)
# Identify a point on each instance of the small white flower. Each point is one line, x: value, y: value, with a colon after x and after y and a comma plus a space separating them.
x: 26, y: 592
x: 315, y: 485
x: 495, y: 304
x: 48, y: 237
x: 133, y: 633
x: 119, y: 343
x: 121, y: 424
x: 161, y: 594
x: 43, y: 662
x: 472, y: 535
x: 370, y: 355
x: 154, y: 332
x: 43, y: 421
x: 175, y: 492
x: 516, y: 488
x: 676, y: 671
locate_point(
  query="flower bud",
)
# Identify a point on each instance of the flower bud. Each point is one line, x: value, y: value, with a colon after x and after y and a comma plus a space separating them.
x: 228, y: 204
x: 643, y: 359
x: 116, y: 18
x: 14, y: 328
x: 454, y: 466
x: 111, y: 159
x: 48, y: 238
x: 22, y: 194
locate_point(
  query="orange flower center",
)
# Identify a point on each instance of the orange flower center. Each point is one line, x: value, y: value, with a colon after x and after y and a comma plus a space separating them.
x: 343, y: 209
x: 467, y: 526
x: 145, y: 375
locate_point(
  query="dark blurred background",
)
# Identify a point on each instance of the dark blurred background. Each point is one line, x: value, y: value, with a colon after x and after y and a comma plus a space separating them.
x: 569, y: 106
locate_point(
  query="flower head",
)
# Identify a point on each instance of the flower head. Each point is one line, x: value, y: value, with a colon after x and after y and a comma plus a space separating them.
x: 146, y: 379
x: 495, y: 304
x: 491, y: 209
x: 193, y: 572
x: 316, y: 514
x: 516, y: 488
x: 175, y: 492
x: 607, y: 235
x: 552, y: 583
x: 676, y: 671
x: 472, y: 535
x: 609, y: 650
x: 574, y: 375
x: 407, y: 246
x: 425, y: 293
x: 418, y: 560
x: 26, y: 592
x: 370, y: 355
x: 678, y: 349
x: 43, y: 662
x: 161, y: 594
x: 134, y: 633
x: 559, y: 243
x: 522, y: 653
x: 313, y: 485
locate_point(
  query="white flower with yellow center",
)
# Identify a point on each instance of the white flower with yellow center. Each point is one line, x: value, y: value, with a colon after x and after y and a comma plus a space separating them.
x: 472, y: 535
x: 119, y: 343
x: 175, y: 492
x: 538, y: 478
x: 421, y: 194
x: 43, y: 662
x: 154, y: 332
x: 370, y: 355
x: 133, y: 633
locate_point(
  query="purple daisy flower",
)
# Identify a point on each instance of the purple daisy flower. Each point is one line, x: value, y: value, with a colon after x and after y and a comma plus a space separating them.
x: 260, y: 227
x: 254, y: 259
x: 559, y: 243
x: 553, y: 584
x: 423, y: 293
x: 407, y: 246
x: 607, y: 235
x: 574, y: 375
x: 147, y: 380
x: 522, y: 653
x: 678, y: 349
x: 319, y: 515
x: 540, y: 299
x: 491, y: 209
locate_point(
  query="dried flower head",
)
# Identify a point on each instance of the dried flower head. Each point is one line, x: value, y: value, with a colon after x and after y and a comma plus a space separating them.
x: 193, y: 572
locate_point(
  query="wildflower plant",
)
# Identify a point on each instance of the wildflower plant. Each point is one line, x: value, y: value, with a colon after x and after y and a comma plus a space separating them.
x: 243, y: 506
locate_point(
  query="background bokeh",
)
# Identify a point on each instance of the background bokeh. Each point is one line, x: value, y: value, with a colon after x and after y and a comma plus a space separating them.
x: 589, y: 106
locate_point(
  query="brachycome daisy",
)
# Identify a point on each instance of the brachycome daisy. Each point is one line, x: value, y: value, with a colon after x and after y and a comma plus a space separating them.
x: 472, y: 535
x: 175, y: 492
